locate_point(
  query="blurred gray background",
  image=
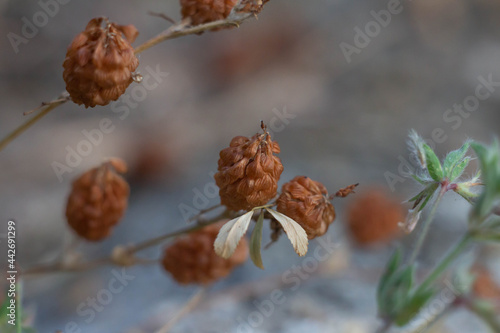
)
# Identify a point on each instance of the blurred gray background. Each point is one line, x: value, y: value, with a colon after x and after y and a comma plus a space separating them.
x: 348, y: 119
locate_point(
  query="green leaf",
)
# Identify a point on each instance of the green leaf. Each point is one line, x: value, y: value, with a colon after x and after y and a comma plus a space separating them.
x: 433, y: 165
x: 489, y: 161
x: 455, y: 157
x: 413, y: 306
x: 256, y: 240
x: 458, y: 169
x: 487, y: 236
x: 396, y: 292
x: 464, y: 191
x: 394, y: 286
x: 419, y: 180
x: 426, y: 194
x: 389, y: 271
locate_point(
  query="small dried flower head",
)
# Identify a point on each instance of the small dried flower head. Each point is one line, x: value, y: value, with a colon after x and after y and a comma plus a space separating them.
x: 98, y: 200
x: 485, y: 286
x: 373, y: 217
x: 100, y: 62
x: 253, y: 6
x: 248, y: 172
x: 205, y: 11
x: 192, y: 259
x: 306, y: 201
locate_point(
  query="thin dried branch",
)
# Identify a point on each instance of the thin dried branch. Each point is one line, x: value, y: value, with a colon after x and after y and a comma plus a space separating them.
x: 45, y: 110
x: 185, y: 310
x: 235, y: 18
x: 64, y: 266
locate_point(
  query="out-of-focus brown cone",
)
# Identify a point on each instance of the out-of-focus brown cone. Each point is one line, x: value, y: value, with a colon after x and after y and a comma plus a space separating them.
x: 253, y: 6
x: 306, y: 201
x: 192, y: 259
x: 98, y: 200
x: 439, y: 22
x: 204, y: 11
x: 485, y: 286
x: 100, y: 62
x: 248, y: 172
x: 373, y: 217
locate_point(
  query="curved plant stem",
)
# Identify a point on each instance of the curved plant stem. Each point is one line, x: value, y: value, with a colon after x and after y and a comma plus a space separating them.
x: 178, y: 30
x: 182, y: 29
x: 160, y: 239
x: 61, y: 266
x: 186, y: 309
x: 427, y: 224
x: 445, y: 263
x: 490, y: 319
x: 18, y: 131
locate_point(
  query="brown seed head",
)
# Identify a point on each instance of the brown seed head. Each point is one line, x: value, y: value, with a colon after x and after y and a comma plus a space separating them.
x: 98, y: 200
x: 485, y: 286
x: 100, y: 62
x: 248, y: 172
x: 192, y: 259
x: 253, y: 6
x: 204, y: 11
x: 373, y: 217
x: 306, y: 201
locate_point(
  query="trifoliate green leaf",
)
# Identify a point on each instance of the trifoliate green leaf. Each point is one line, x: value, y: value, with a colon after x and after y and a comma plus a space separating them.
x: 433, y: 165
x: 454, y: 158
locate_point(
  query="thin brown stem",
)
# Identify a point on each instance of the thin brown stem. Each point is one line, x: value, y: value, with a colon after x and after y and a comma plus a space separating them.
x: 18, y: 131
x: 61, y: 266
x: 182, y: 29
x: 160, y: 239
x: 178, y: 30
x: 186, y: 309
x: 203, y: 212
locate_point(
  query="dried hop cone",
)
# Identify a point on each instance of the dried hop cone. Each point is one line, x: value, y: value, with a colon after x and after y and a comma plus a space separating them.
x: 98, y: 200
x: 485, y: 285
x: 204, y: 11
x: 248, y: 172
x: 373, y: 217
x: 100, y: 63
x: 253, y: 6
x: 192, y: 259
x: 306, y: 201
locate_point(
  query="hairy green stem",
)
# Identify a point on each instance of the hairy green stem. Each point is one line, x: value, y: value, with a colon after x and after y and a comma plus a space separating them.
x: 427, y: 224
x: 446, y: 261
x: 489, y: 318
